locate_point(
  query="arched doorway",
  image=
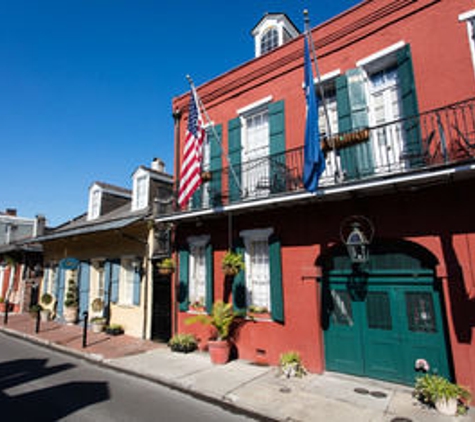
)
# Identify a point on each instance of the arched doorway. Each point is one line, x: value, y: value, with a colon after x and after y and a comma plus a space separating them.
x: 379, y: 318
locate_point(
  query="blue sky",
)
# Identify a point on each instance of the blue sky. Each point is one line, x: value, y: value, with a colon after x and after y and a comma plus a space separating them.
x: 86, y: 86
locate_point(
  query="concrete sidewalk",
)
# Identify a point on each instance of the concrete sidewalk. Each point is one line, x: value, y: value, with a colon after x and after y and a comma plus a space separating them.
x: 256, y: 390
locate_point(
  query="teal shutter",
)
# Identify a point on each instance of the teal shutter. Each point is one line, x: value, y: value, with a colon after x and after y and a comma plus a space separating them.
x: 196, y: 198
x: 184, y: 274
x: 278, y: 170
x: 115, y: 272
x: 60, y: 287
x: 215, y: 165
x: 410, y: 109
x: 83, y: 287
x: 209, y: 278
x: 234, y: 153
x: 276, y: 289
x: 137, y: 285
x: 239, y: 285
x: 357, y: 160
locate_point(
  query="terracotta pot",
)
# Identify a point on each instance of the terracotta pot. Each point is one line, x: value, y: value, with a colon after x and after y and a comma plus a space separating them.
x: 165, y: 271
x: 219, y: 351
x: 230, y: 271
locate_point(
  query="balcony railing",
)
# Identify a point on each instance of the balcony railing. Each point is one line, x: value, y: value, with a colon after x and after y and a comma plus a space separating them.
x: 439, y: 137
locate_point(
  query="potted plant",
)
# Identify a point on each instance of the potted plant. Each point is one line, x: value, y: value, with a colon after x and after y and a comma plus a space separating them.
x: 34, y: 309
x: 290, y: 364
x: 46, y: 299
x: 71, y: 304
x: 115, y: 329
x: 255, y: 311
x: 198, y: 305
x: 232, y: 263
x: 448, y: 398
x: 184, y: 343
x: 3, y: 305
x: 221, y: 319
x: 166, y: 266
x: 98, y: 324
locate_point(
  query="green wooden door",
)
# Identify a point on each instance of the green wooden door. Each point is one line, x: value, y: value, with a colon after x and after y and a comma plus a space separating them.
x: 379, y: 327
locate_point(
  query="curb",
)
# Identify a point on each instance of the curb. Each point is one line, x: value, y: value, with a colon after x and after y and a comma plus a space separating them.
x: 100, y: 361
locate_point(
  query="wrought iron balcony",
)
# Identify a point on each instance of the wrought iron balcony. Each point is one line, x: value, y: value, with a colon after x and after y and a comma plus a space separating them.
x: 440, y: 137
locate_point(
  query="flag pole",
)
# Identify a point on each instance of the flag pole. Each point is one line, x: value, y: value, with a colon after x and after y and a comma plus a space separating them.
x: 217, y: 138
x: 308, y: 34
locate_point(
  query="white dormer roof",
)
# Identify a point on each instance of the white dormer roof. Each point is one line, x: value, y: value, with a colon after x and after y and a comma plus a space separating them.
x: 272, y: 31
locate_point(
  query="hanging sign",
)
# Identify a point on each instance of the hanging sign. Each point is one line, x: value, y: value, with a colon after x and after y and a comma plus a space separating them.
x: 69, y: 263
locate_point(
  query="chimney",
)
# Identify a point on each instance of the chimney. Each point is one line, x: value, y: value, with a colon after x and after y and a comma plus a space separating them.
x: 40, y: 225
x: 158, y: 165
x: 11, y: 212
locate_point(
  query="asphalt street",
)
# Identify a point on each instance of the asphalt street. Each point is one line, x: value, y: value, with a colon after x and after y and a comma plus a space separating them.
x: 43, y: 385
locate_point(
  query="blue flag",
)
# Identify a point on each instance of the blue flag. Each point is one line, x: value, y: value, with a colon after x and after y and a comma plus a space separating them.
x: 314, y: 161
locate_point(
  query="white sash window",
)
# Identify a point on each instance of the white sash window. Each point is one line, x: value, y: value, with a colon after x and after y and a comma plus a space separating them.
x: 197, y: 284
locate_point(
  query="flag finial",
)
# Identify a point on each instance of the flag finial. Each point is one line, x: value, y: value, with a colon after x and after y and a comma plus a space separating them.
x: 305, y: 16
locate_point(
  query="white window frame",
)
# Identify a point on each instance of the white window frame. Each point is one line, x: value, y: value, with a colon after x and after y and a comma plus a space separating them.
x: 141, y: 193
x: 2, y: 277
x: 469, y: 18
x: 126, y: 282
x: 249, y: 237
x: 95, y: 199
x: 194, y: 288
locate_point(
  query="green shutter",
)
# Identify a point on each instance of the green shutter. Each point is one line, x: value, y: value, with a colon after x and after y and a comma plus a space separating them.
x: 184, y: 274
x: 234, y: 152
x: 239, y: 285
x: 209, y: 278
x: 196, y: 198
x: 277, y: 146
x: 407, y: 89
x: 215, y: 164
x: 276, y: 289
x: 357, y: 160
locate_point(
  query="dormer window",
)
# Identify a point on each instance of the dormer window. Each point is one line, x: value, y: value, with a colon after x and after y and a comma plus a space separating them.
x: 94, y: 204
x: 141, y: 191
x: 269, y: 40
x: 272, y: 31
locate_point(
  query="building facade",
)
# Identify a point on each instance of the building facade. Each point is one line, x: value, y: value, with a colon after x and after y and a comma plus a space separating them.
x: 397, y: 81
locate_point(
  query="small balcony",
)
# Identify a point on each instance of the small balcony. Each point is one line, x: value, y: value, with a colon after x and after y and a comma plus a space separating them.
x: 433, y: 140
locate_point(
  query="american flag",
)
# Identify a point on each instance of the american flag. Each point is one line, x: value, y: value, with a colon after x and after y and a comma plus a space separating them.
x: 190, y: 177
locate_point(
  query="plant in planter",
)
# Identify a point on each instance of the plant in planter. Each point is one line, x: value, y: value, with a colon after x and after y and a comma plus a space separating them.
x: 115, y: 329
x: 198, y: 305
x: 3, y: 305
x: 184, y: 343
x: 448, y: 398
x: 71, y: 304
x: 255, y: 311
x: 221, y: 319
x: 34, y: 309
x: 46, y: 300
x: 232, y: 263
x: 290, y: 364
x: 98, y: 324
x: 166, y: 266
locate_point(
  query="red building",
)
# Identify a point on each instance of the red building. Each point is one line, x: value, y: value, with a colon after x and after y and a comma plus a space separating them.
x: 398, y: 83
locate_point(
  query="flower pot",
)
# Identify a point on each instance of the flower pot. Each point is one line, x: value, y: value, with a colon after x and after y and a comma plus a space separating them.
x: 44, y: 315
x: 165, y: 271
x: 71, y: 315
x: 97, y: 327
x: 230, y: 271
x: 446, y: 406
x: 219, y: 351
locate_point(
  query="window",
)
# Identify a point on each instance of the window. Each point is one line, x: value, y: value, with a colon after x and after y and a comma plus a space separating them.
x: 420, y: 312
x: 269, y: 40
x: 255, y: 152
x: 257, y: 264
x: 469, y: 18
x: 378, y: 311
x: 126, y: 286
x: 197, y: 276
x: 95, y: 204
x: 141, y: 192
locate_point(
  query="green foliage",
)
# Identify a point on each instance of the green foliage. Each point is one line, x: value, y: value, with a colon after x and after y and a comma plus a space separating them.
x: 291, y: 364
x: 221, y: 318
x: 34, y: 309
x: 98, y: 320
x: 46, y: 298
x: 233, y: 262
x: 257, y: 309
x: 72, y: 300
x: 184, y: 343
x: 429, y: 388
x: 2, y: 299
x: 167, y: 263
